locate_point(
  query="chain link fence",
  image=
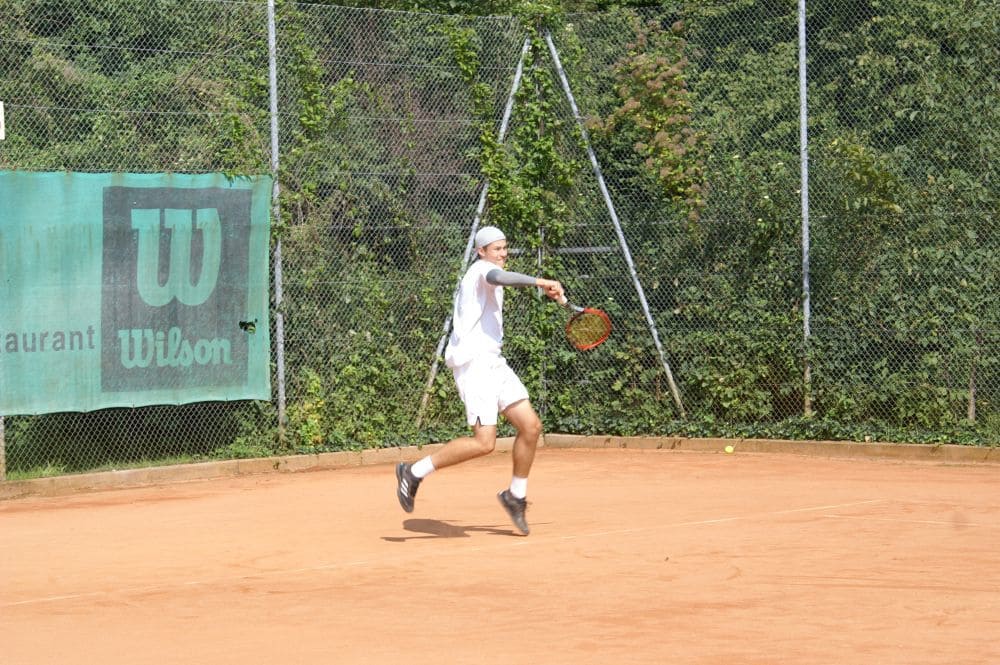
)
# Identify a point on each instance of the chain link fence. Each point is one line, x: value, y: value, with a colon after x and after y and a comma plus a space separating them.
x: 399, y: 130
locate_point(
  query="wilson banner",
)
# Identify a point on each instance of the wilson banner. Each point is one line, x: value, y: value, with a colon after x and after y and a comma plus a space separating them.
x: 132, y: 290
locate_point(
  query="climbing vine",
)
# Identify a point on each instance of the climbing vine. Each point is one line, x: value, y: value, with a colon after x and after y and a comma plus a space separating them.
x: 656, y: 108
x: 531, y: 173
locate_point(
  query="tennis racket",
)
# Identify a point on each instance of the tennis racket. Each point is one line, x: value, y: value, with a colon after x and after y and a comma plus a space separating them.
x: 587, y: 328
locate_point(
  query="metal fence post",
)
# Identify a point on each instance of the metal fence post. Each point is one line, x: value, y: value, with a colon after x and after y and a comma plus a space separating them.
x: 614, y: 220
x: 279, y: 318
x: 804, y: 185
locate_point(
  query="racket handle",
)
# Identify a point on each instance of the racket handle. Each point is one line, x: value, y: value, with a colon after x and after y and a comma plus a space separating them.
x: 568, y: 305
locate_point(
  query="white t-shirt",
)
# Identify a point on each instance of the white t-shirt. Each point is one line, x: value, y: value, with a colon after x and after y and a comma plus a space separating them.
x: 477, y: 320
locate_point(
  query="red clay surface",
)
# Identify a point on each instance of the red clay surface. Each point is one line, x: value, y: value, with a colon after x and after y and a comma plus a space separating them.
x: 634, y: 557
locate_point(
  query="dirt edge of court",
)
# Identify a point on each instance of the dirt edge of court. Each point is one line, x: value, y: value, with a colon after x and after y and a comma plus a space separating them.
x: 105, y: 480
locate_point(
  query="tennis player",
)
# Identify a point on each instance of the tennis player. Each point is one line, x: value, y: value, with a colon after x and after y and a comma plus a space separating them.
x: 486, y: 384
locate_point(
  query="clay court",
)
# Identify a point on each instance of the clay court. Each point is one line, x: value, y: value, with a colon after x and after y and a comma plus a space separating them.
x: 635, y: 556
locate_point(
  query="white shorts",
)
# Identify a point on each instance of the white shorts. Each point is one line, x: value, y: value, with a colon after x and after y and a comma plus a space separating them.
x: 487, y: 387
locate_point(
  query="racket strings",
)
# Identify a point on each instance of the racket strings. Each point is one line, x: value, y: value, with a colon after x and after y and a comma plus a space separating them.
x: 587, y: 329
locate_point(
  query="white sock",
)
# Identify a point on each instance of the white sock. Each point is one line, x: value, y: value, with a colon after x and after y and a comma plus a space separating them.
x: 519, y: 487
x: 422, y: 468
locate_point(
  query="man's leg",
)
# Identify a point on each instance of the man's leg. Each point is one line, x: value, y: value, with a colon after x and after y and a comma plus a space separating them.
x: 456, y: 451
x: 482, y: 442
x: 529, y: 428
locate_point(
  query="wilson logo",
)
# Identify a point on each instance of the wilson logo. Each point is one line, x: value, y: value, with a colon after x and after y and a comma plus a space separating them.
x: 179, y: 283
x: 143, y: 347
x: 176, y: 286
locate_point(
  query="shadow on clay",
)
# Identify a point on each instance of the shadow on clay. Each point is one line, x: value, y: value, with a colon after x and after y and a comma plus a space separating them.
x: 440, y: 529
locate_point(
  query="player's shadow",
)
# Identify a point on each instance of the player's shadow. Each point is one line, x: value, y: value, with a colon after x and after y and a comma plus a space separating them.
x: 438, y: 529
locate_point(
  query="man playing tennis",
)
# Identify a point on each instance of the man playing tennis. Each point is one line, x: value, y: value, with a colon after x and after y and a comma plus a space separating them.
x: 485, y: 382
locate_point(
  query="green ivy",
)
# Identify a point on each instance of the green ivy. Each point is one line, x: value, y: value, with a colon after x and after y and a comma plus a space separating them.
x: 656, y: 109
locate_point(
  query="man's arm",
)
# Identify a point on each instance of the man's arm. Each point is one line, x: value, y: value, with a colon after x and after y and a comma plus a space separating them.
x: 500, y: 277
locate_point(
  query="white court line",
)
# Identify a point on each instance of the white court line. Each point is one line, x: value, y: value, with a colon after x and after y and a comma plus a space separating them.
x: 399, y: 559
x: 951, y: 523
x: 723, y: 519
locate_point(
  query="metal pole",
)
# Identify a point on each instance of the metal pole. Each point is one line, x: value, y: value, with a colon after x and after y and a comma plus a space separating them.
x: 618, y: 228
x: 279, y: 317
x: 3, y: 452
x: 539, y: 262
x: 804, y: 184
x: 480, y: 207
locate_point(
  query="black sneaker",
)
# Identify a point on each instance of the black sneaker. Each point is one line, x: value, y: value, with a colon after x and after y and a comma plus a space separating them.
x: 515, y: 508
x: 406, y: 487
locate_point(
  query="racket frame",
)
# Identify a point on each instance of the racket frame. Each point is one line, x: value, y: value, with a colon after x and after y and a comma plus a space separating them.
x: 577, y: 313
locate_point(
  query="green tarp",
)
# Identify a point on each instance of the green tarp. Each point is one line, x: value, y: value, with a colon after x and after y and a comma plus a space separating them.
x: 132, y: 289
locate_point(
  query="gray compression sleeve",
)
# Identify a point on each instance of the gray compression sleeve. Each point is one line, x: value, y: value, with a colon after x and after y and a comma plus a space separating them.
x: 499, y: 277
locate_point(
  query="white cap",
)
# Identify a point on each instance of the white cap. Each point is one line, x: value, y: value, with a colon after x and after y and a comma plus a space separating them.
x: 488, y: 234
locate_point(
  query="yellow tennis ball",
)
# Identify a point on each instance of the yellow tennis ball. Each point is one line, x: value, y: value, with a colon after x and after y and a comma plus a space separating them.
x: 729, y: 449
